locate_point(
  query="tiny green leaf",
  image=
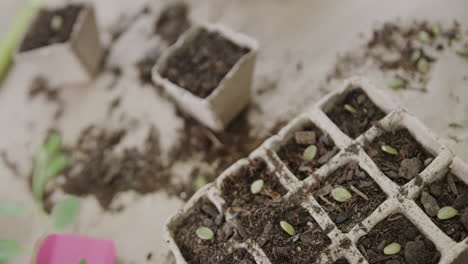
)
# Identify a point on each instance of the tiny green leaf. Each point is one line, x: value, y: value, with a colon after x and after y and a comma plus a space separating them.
x: 200, y: 181
x: 389, y: 149
x: 396, y: 83
x: 392, y: 249
x: 83, y: 261
x: 257, y: 186
x: 288, y: 228
x: 463, y: 52
x: 425, y: 37
x: 55, y: 167
x: 65, y: 212
x: 309, y: 153
x: 447, y: 212
x: 350, y: 109
x: 341, y: 194
x: 53, y: 144
x: 9, y: 249
x: 13, y: 209
x: 436, y: 29
x: 423, y: 65
x: 56, y: 22
x: 415, y: 55
x: 205, y: 233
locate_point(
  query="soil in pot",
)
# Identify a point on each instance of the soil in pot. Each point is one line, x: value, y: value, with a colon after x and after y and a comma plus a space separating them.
x: 203, y: 63
x: 236, y: 189
x: 449, y: 191
x: 216, y: 250
x: 342, y: 261
x: 355, y: 113
x: 415, y: 248
x: 305, y: 246
x: 292, y: 153
x: 366, y: 196
x: 51, y: 27
x: 410, y: 160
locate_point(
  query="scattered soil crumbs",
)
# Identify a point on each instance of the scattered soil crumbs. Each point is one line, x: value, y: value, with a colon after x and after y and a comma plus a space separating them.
x: 401, y: 168
x: 399, y: 50
x: 292, y: 152
x: 236, y: 188
x: 448, y: 191
x: 172, y: 22
x: 214, y: 251
x: 415, y: 248
x: 355, y: 123
x: 42, y: 33
x: 264, y: 226
x: 342, y: 261
x: 203, y: 63
x: 367, y: 196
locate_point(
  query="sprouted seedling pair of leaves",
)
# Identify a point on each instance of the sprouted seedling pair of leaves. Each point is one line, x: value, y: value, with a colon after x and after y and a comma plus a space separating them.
x: 49, y: 163
x: 205, y: 233
x: 392, y: 249
x: 390, y: 150
x: 447, y: 212
x: 341, y: 195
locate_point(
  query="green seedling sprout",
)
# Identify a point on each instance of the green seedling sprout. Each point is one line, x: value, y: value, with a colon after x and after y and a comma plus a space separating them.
x: 14, y: 35
x: 389, y: 149
x: 257, y: 186
x: 83, y: 261
x: 340, y: 194
x: 446, y: 212
x: 56, y: 23
x: 396, y: 83
x: 199, y: 182
x: 392, y: 249
x: 463, y: 52
x: 205, y: 233
x: 288, y: 228
x: 436, y: 29
x: 425, y: 37
x: 309, y: 153
x: 350, y: 109
x: 416, y: 55
x: 423, y: 66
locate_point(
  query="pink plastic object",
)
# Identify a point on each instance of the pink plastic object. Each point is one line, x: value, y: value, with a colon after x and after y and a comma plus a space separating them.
x: 70, y: 249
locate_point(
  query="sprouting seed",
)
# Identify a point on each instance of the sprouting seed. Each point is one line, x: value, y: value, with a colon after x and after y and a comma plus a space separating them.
x: 309, y: 153
x: 423, y: 65
x: 350, y: 109
x: 436, y: 29
x: 257, y: 186
x: 463, y: 52
x: 425, y: 37
x: 56, y: 22
x: 341, y: 194
x: 205, y: 233
x: 446, y: 212
x: 396, y: 83
x: 299, y: 249
x: 389, y: 149
x: 392, y: 249
x: 416, y: 55
x: 288, y: 228
x: 199, y: 182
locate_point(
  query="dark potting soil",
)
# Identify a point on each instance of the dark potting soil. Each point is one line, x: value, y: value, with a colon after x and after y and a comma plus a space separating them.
x: 263, y: 225
x: 342, y: 261
x: 41, y: 33
x: 351, y: 177
x: 415, y: 248
x: 203, y: 63
x: 411, y: 160
x: 214, y: 251
x: 354, y: 124
x: 236, y: 188
x: 292, y: 152
x: 449, y: 191
x: 172, y: 22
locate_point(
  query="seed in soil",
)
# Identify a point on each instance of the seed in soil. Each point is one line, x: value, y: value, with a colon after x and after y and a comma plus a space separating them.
x: 292, y: 153
x: 310, y: 152
x: 389, y: 149
x: 341, y: 194
x: 392, y: 249
x: 354, y: 123
x: 396, y: 83
x: 257, y: 186
x: 447, y: 212
x: 205, y: 233
x: 288, y: 228
x: 423, y: 66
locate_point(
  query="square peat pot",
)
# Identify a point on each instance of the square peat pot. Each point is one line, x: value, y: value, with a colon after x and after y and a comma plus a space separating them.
x: 65, y: 248
x: 63, y: 45
x: 209, y: 72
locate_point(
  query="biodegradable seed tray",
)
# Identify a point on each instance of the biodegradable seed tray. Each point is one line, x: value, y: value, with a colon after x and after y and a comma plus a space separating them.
x: 345, y: 242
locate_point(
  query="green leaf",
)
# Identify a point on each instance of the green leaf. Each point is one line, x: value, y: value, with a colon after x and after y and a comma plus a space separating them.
x: 53, y: 145
x: 83, y: 261
x: 341, y: 194
x: 396, y: 83
x: 447, y: 212
x: 65, y: 212
x: 392, y: 249
x: 310, y: 152
x: 55, y: 167
x: 257, y: 186
x: 436, y: 29
x: 199, y: 182
x: 9, y: 249
x: 463, y: 52
x: 205, y: 233
x: 416, y: 55
x: 389, y: 149
x: 425, y: 37
x: 40, y: 163
x: 288, y: 228
x: 13, y: 209
x: 350, y: 108
x: 423, y: 66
